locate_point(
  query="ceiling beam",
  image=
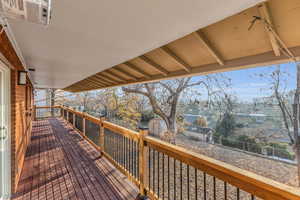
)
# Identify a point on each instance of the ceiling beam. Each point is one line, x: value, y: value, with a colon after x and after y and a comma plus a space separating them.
x: 265, y: 14
x: 156, y: 66
x: 109, y: 78
x: 200, y: 36
x: 137, y: 69
x: 117, y: 68
x: 80, y: 86
x: 106, y: 79
x: 181, y: 62
x: 116, y: 76
x: 88, y: 83
x: 265, y: 59
x: 95, y: 82
x: 98, y: 81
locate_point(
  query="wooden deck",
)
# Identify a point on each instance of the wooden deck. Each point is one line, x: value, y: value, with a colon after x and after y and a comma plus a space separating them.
x: 59, y: 164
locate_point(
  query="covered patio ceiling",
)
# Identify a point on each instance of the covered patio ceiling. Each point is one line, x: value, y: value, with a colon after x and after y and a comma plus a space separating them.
x: 266, y: 34
x: 113, y: 43
x: 87, y: 37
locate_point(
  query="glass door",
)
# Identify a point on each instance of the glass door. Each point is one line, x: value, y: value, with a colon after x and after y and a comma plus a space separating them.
x: 4, y: 132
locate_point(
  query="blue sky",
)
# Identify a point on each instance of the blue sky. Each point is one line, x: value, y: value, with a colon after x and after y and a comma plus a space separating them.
x: 246, y: 85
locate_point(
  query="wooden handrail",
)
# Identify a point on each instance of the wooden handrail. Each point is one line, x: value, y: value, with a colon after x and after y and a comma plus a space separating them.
x: 47, y: 107
x: 121, y: 130
x: 252, y: 183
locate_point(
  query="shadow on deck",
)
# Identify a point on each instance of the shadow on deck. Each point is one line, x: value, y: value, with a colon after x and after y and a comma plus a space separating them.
x: 60, y: 164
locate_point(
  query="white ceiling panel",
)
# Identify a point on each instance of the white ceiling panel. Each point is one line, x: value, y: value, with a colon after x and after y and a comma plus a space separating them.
x: 86, y: 37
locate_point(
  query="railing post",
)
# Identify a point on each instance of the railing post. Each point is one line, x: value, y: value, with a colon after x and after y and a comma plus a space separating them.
x: 34, y: 112
x: 61, y: 111
x: 74, y: 118
x: 142, y: 159
x: 68, y: 116
x: 83, y: 123
x: 101, y: 132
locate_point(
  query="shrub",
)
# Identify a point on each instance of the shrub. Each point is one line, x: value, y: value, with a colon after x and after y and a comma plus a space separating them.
x: 243, y: 142
x: 227, y: 125
x: 279, y: 150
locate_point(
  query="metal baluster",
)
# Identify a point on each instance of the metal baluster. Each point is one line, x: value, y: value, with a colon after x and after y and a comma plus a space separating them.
x: 113, y: 146
x: 188, y: 181
x: 225, y: 190
x: 104, y: 145
x: 149, y: 168
x: 129, y: 155
x: 118, y: 153
x: 108, y: 144
x: 134, y: 157
x: 126, y: 151
x: 252, y: 197
x: 138, y: 163
x: 174, y: 178
x: 119, y: 148
x: 158, y: 155
x: 204, y: 180
x: 132, y: 163
x: 180, y: 180
x: 196, y: 185
x: 163, y: 181
x: 121, y: 153
x: 153, y: 152
x: 237, y: 193
x: 214, y: 181
x: 169, y: 177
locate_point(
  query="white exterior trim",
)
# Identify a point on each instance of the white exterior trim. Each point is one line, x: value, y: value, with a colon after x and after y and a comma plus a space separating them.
x: 6, y: 165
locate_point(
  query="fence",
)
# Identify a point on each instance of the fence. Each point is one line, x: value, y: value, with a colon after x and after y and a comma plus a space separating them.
x: 268, y: 151
x: 165, y: 171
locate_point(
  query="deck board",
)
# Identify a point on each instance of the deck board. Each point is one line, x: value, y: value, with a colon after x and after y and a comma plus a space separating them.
x: 60, y: 164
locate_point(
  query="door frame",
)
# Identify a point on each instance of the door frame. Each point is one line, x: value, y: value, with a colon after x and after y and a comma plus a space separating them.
x: 6, y: 162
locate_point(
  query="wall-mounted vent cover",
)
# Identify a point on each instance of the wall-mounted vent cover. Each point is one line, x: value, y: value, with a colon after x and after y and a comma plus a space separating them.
x: 36, y: 11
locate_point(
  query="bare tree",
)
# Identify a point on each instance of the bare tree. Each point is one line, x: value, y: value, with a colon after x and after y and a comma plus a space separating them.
x: 296, y: 116
x: 281, y: 96
x: 288, y: 102
x: 164, y: 97
x: 107, y: 100
x: 83, y: 99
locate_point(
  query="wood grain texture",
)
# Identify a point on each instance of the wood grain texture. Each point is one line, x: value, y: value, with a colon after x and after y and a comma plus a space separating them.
x: 254, y: 184
x: 245, y: 180
x: 59, y: 164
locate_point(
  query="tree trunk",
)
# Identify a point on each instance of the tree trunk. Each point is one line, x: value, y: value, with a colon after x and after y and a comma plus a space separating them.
x: 172, y: 129
x: 296, y: 122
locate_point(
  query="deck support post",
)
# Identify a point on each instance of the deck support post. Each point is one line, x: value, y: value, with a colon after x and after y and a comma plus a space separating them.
x: 34, y: 113
x: 101, y: 132
x: 143, y: 149
x: 83, y: 123
x: 67, y: 116
x: 74, y: 118
x: 62, y: 112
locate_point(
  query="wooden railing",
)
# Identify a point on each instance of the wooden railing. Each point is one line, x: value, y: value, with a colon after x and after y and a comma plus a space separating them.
x: 165, y: 171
